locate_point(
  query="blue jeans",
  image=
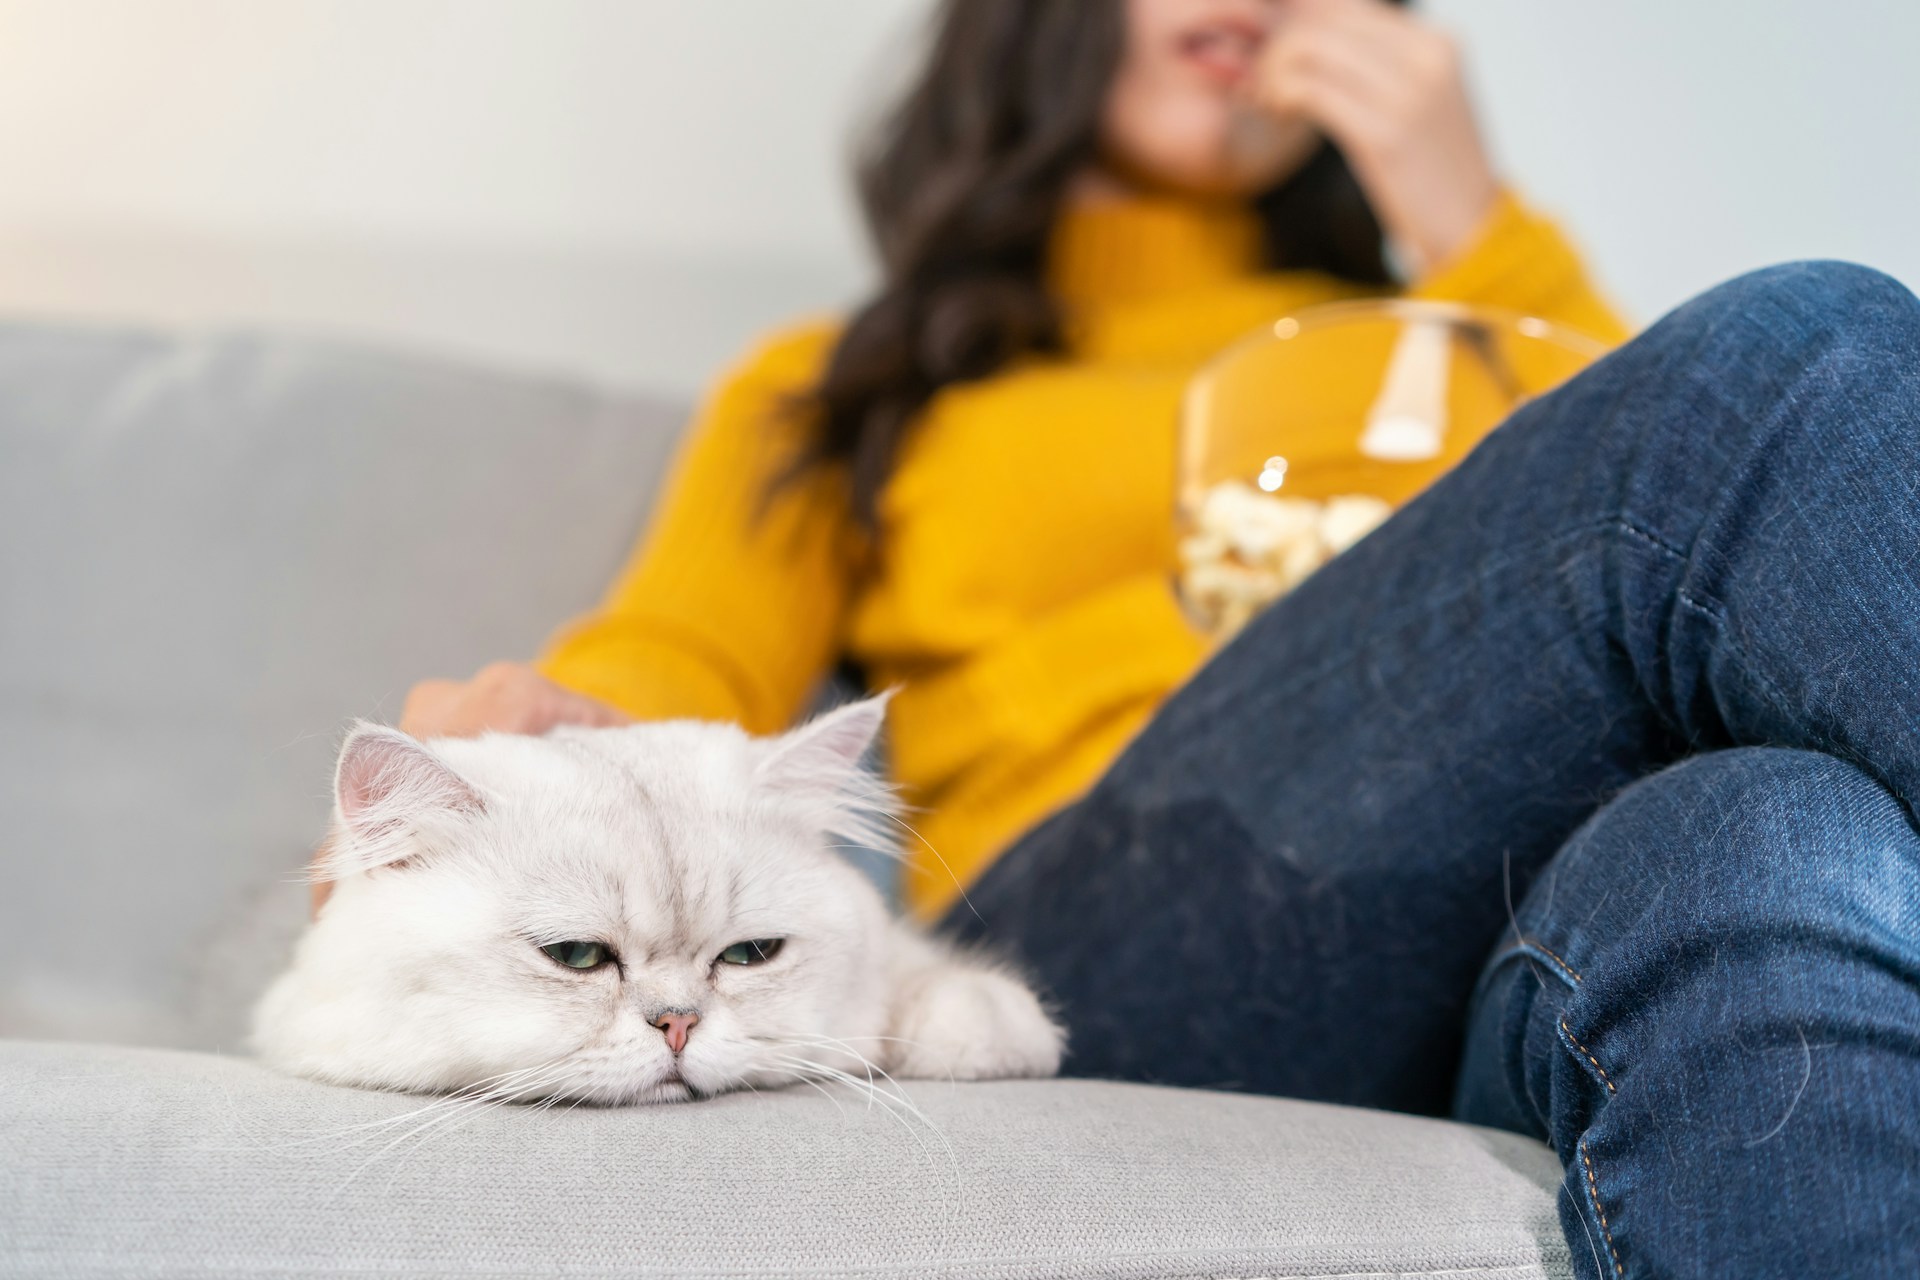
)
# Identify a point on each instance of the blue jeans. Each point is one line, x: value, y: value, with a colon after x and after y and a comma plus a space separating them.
x: 1579, y: 800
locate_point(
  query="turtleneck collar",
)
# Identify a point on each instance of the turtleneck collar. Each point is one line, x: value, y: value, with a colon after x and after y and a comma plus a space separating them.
x: 1107, y: 251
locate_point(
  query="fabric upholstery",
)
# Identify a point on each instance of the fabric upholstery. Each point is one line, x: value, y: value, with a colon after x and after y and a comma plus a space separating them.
x: 131, y: 1162
x: 214, y: 552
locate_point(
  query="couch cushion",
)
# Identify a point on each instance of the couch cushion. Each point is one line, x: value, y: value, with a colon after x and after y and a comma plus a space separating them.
x: 214, y: 551
x: 134, y: 1162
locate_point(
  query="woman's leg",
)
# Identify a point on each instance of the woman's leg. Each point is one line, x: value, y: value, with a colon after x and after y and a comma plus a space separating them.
x: 1289, y: 881
x: 1710, y: 1005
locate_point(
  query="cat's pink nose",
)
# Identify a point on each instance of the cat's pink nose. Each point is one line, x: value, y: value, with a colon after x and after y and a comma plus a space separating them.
x: 675, y: 1025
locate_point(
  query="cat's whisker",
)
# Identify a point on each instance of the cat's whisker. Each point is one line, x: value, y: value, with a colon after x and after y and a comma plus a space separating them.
x: 452, y: 1121
x: 880, y: 803
x: 446, y: 1122
x: 849, y: 1041
x: 899, y: 1097
x: 834, y: 1042
x: 899, y: 1093
x: 887, y: 851
x: 468, y: 1107
x: 814, y: 1072
x: 497, y: 1090
x: 806, y: 1079
x: 888, y: 1100
x: 463, y: 1093
x: 941, y: 859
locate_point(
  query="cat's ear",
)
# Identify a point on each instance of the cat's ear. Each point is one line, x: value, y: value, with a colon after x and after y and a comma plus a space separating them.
x: 386, y: 787
x: 818, y: 771
x: 822, y: 754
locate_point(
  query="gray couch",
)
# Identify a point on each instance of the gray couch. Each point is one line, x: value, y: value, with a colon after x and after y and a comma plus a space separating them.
x: 213, y: 552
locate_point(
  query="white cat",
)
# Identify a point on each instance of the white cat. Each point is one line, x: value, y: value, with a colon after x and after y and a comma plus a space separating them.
x: 647, y: 914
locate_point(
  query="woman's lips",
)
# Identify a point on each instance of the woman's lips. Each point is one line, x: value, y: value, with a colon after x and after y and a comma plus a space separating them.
x: 1224, y: 52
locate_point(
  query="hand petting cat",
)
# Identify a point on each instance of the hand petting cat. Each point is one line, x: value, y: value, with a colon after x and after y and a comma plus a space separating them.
x: 502, y: 697
x: 505, y: 697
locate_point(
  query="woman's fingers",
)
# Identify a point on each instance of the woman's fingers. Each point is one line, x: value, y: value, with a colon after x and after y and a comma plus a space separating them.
x: 1312, y: 78
x: 428, y: 705
x: 503, y: 697
x: 1368, y: 66
x: 1390, y: 91
x: 588, y: 712
x: 1396, y: 69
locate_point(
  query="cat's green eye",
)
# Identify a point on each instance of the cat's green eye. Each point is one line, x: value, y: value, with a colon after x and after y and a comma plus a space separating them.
x: 577, y: 954
x: 757, y: 951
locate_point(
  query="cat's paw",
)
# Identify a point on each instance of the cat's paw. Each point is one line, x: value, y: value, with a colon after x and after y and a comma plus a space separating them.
x: 973, y: 1024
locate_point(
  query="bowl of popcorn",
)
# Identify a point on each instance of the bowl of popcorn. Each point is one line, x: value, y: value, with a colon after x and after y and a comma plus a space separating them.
x: 1301, y: 439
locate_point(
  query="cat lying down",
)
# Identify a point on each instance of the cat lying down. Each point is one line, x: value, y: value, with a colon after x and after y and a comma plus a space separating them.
x: 646, y: 914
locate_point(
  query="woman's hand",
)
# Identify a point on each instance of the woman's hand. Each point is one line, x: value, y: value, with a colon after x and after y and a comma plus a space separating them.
x: 503, y: 697
x: 1389, y: 90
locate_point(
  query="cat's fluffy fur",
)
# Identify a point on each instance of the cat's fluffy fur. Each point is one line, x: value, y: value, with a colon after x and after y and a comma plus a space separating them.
x: 455, y: 861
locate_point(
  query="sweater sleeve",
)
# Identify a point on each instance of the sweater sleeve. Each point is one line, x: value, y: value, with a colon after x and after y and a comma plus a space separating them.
x: 731, y: 607
x: 1520, y: 260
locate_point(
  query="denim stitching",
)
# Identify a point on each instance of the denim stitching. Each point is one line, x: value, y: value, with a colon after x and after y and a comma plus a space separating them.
x: 1523, y: 948
x: 1593, y: 1194
x: 1570, y: 971
x: 1586, y: 1053
x: 1715, y: 612
x: 1649, y: 536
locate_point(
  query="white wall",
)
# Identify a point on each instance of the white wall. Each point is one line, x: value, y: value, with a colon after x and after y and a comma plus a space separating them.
x: 630, y: 188
x: 1688, y: 140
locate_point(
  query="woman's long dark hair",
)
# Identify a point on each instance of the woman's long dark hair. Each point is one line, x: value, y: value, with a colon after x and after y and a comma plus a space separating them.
x: 961, y: 186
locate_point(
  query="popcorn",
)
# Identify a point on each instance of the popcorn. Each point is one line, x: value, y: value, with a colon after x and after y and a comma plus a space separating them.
x: 1249, y: 548
x: 1349, y: 518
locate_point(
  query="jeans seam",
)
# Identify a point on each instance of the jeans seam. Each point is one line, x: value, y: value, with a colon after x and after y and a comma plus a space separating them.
x: 1715, y: 612
x: 1524, y: 948
x: 1648, y: 536
x: 1566, y: 968
x: 1593, y: 1195
x: 1587, y: 1053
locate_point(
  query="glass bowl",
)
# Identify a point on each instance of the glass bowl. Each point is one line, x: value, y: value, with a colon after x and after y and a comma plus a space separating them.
x: 1298, y: 440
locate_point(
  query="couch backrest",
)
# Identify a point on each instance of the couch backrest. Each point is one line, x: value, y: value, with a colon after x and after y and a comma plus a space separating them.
x: 215, y: 551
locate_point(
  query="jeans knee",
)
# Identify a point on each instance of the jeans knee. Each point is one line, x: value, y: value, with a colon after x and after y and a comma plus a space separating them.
x: 1842, y: 293
x: 1769, y: 826
x: 1829, y: 351
x: 1823, y: 306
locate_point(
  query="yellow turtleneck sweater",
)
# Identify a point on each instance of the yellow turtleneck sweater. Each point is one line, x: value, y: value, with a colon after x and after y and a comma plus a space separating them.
x: 1020, y: 593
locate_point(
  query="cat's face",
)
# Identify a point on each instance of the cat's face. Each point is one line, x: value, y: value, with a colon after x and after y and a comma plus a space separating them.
x: 614, y: 915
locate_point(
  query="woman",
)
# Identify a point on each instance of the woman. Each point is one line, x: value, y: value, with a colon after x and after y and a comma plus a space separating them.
x: 1633, y: 683
x: 1063, y: 210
